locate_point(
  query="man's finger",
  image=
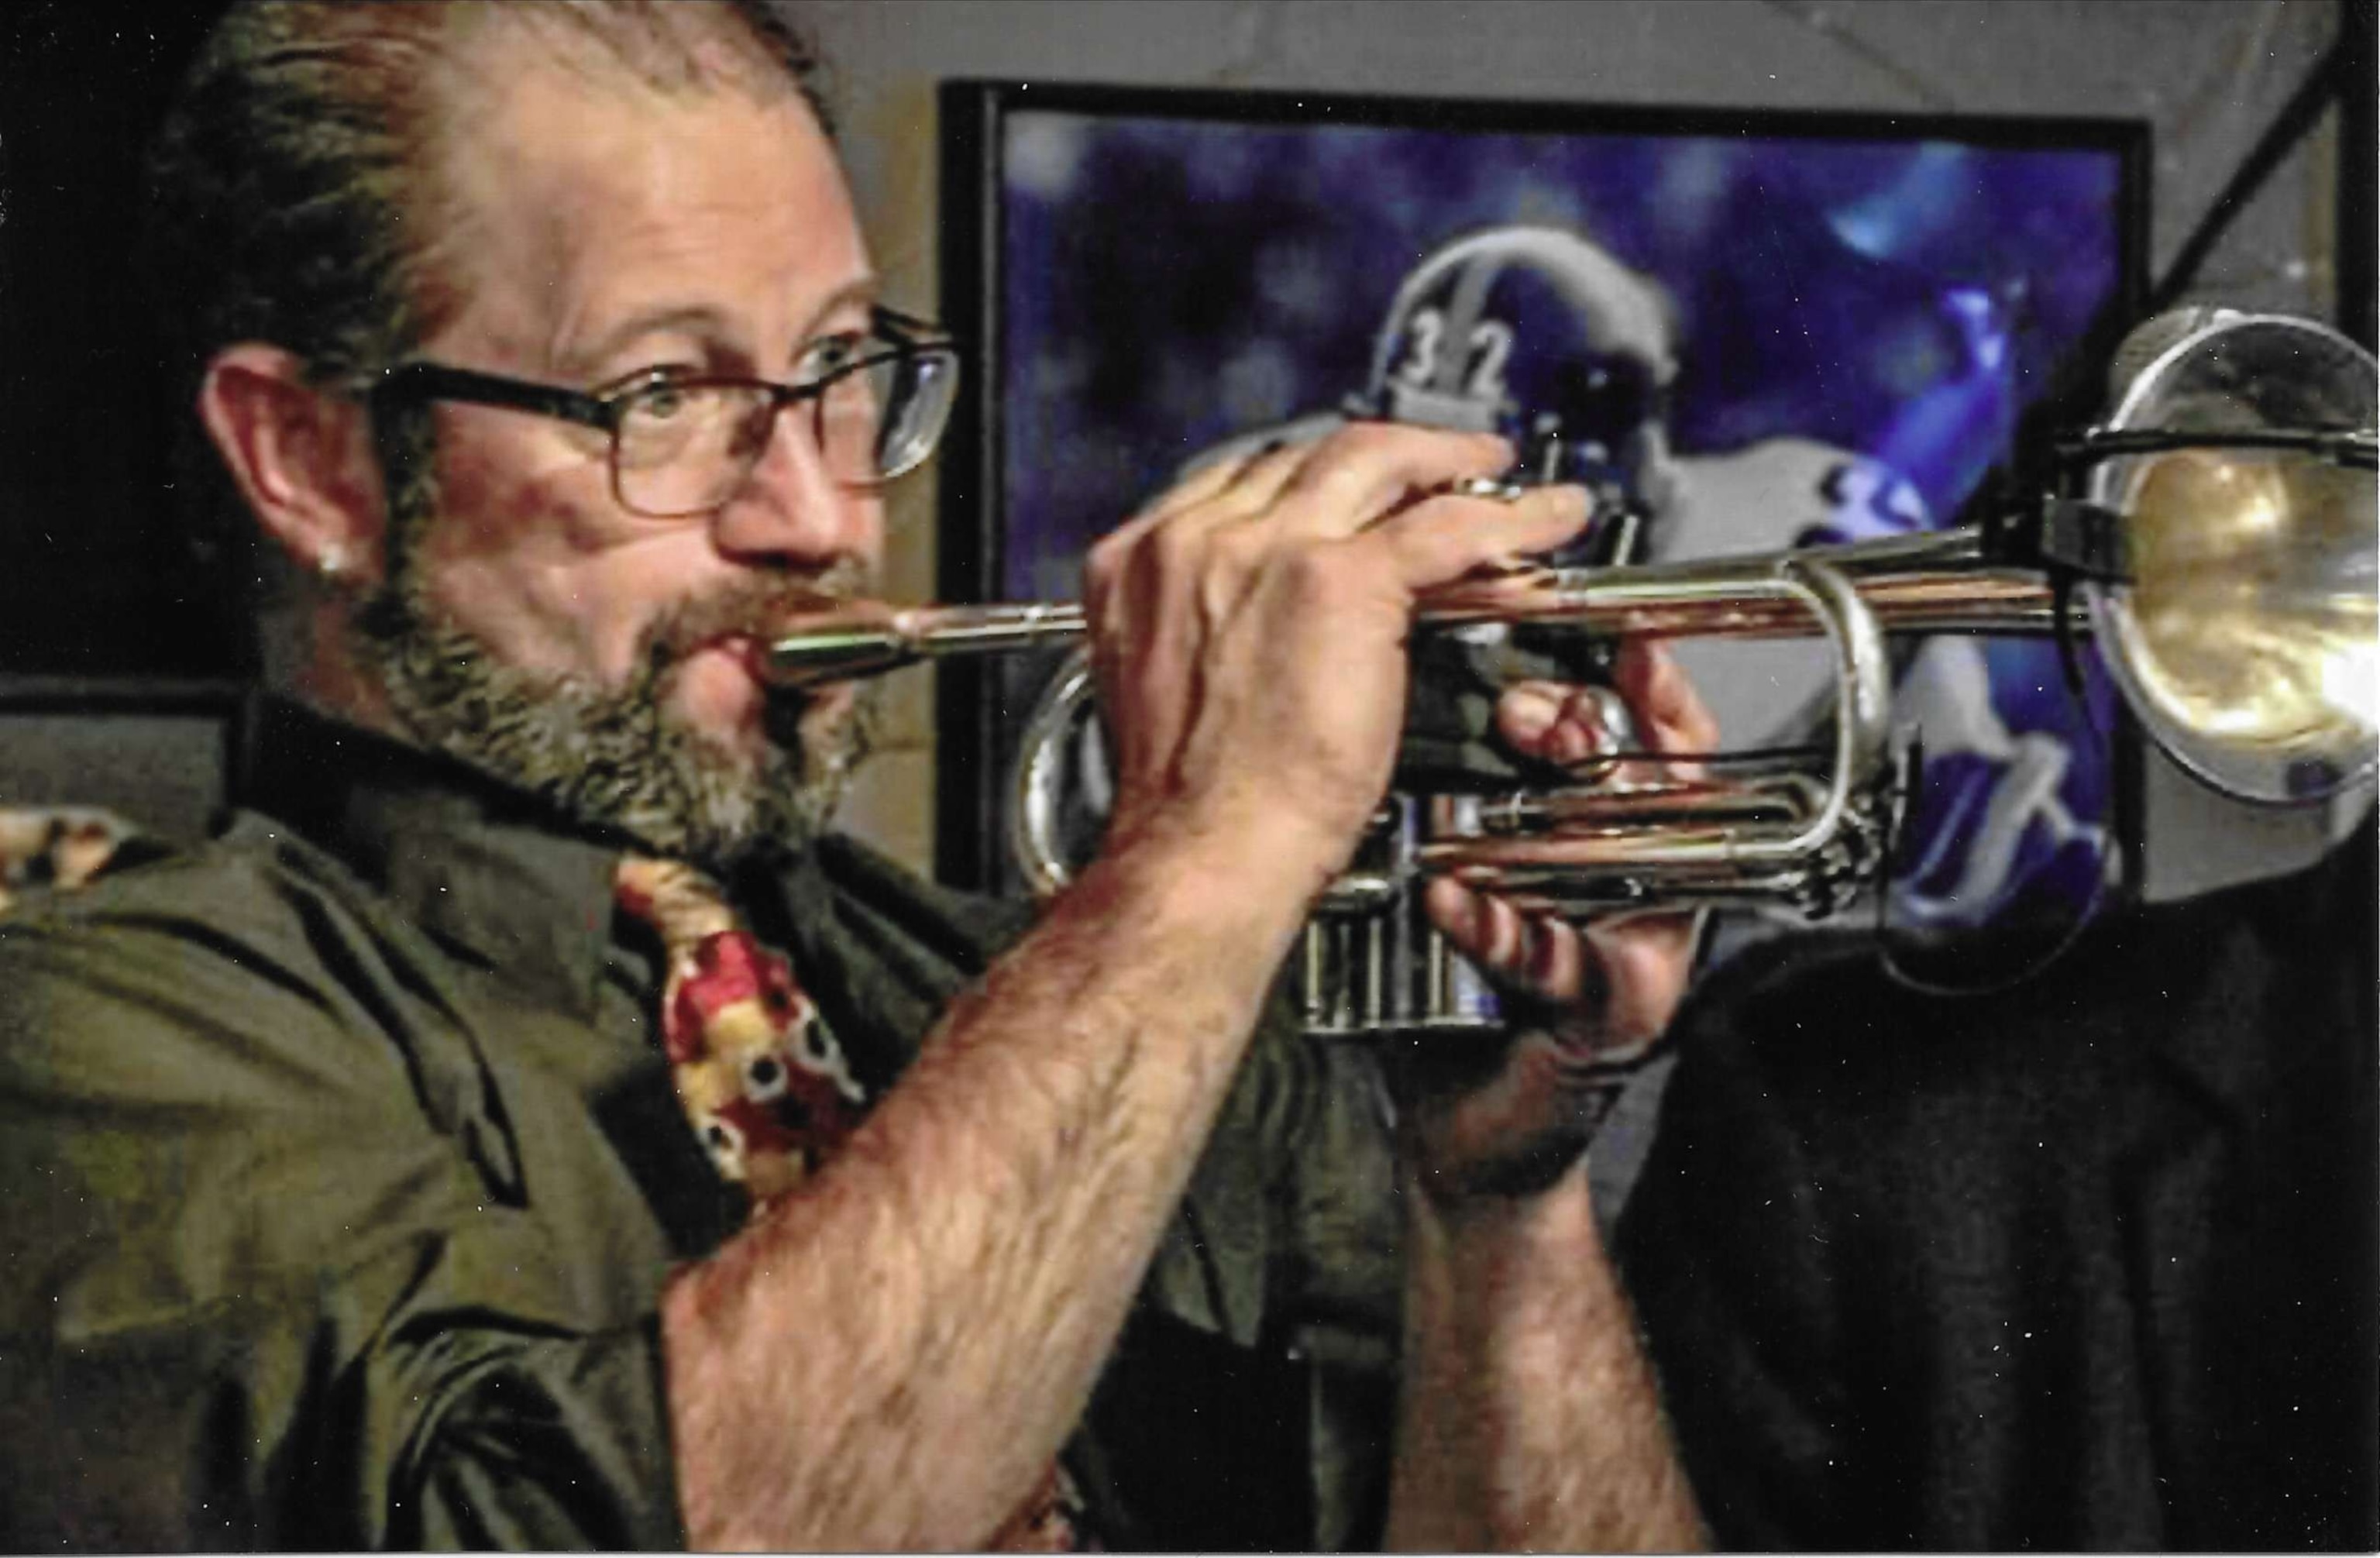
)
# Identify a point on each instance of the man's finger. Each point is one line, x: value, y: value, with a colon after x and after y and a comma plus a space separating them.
x: 1225, y: 490
x: 1129, y: 566
x: 1560, y: 964
x: 1195, y: 488
x: 1543, y: 956
x: 1645, y: 959
x: 1442, y: 539
x: 1482, y: 926
x: 1671, y: 713
x: 1563, y: 722
x: 1365, y: 471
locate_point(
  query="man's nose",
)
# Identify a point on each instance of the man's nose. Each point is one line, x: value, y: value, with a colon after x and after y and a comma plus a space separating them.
x: 791, y: 506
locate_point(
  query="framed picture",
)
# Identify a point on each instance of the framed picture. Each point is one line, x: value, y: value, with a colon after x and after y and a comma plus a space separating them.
x: 1761, y: 330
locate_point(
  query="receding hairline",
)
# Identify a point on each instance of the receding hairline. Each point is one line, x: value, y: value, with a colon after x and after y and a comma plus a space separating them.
x: 674, y: 49
x: 696, y: 54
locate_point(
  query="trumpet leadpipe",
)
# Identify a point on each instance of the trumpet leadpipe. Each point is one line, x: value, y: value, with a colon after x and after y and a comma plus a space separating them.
x: 868, y: 644
x: 1719, y: 600
x: 1934, y: 583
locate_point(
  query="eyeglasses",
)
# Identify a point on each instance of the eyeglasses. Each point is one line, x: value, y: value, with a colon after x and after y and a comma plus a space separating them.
x: 683, y: 445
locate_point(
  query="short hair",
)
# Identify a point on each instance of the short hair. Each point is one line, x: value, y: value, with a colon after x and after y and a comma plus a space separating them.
x: 293, y: 190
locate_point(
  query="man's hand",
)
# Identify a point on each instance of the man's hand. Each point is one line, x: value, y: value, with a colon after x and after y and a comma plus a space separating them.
x: 1527, y: 1416
x: 1590, y: 999
x: 1249, y: 630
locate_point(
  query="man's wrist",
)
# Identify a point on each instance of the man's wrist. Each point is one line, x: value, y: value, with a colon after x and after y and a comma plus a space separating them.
x: 1480, y: 1243
x: 1483, y: 1123
x: 1267, y: 871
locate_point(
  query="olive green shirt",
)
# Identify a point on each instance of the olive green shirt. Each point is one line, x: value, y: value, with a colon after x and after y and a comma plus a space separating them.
x: 343, y: 1174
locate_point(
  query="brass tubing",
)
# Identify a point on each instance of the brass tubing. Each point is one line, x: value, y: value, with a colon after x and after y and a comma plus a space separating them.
x: 1864, y: 694
x: 1922, y: 584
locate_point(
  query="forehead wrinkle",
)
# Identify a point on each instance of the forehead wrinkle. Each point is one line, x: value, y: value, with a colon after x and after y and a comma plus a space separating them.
x: 574, y: 343
x: 565, y: 229
x: 601, y: 315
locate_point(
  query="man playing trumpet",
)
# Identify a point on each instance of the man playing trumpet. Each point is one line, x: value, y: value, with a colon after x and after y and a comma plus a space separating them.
x: 527, y: 1124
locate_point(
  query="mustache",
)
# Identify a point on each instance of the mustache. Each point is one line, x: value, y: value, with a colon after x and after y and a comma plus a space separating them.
x: 754, y: 609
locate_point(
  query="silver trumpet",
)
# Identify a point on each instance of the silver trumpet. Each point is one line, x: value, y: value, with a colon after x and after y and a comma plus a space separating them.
x: 2216, y: 537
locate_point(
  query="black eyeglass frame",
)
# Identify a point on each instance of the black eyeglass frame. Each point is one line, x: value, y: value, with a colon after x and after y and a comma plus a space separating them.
x: 911, y: 340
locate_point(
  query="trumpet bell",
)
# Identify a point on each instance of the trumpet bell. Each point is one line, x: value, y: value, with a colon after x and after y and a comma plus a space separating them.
x: 2246, y: 633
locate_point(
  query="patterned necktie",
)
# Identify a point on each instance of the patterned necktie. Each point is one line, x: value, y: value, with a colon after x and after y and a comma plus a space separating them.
x: 762, y: 1081
x: 768, y: 1091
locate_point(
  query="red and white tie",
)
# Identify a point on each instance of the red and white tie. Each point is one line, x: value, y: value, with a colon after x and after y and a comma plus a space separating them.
x: 763, y: 1083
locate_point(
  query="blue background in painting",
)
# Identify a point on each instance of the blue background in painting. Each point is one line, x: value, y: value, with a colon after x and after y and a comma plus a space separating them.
x: 1164, y: 284
x: 1168, y: 283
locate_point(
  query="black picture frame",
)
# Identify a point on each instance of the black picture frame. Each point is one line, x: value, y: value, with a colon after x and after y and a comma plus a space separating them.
x: 982, y: 704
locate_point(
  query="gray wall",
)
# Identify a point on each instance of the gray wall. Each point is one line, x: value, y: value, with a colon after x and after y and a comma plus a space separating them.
x: 2207, y: 75
x: 160, y: 768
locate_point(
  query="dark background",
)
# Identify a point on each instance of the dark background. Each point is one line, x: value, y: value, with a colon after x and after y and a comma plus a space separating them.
x: 96, y: 575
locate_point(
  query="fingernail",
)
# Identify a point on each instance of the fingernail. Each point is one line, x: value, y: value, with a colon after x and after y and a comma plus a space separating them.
x: 1529, y: 712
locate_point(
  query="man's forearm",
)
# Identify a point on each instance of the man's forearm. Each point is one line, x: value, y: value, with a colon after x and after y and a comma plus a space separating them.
x: 890, y: 1357
x: 1529, y: 1418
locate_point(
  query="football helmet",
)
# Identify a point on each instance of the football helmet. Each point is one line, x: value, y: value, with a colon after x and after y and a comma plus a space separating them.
x: 1536, y: 334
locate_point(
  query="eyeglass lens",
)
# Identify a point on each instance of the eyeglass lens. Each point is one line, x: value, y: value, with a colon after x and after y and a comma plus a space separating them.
x: 684, y: 449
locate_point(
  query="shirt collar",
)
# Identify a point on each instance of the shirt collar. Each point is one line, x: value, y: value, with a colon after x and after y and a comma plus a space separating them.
x: 489, y: 871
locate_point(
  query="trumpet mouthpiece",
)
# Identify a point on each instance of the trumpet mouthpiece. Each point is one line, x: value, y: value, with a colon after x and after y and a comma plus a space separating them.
x: 840, y: 651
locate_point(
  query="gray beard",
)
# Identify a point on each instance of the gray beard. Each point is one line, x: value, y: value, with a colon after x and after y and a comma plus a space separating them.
x: 616, y: 758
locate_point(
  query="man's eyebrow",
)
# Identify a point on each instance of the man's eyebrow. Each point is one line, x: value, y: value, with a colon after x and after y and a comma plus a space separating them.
x: 701, y: 320
x: 692, y: 319
x: 858, y: 290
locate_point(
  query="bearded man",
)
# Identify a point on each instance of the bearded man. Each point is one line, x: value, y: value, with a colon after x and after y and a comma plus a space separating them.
x: 353, y: 1197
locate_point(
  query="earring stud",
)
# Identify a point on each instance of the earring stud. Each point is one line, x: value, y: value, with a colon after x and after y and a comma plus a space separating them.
x: 334, y: 561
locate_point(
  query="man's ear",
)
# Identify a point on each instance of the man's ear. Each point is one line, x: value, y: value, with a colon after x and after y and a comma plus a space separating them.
x: 303, y: 459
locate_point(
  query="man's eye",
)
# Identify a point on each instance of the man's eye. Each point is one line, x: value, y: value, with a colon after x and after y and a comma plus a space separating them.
x: 829, y: 355
x: 661, y: 402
